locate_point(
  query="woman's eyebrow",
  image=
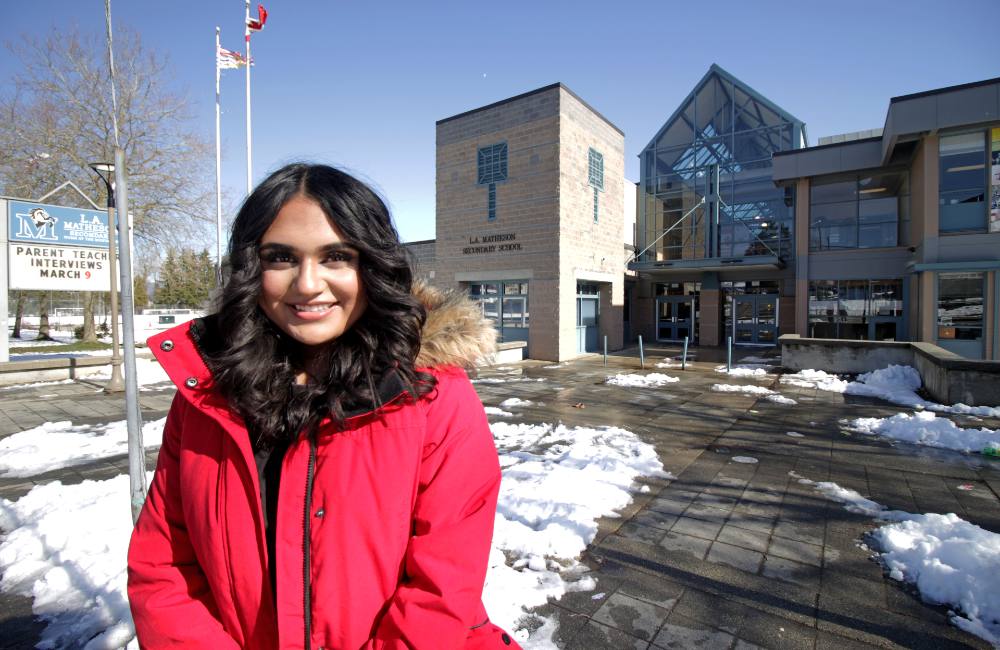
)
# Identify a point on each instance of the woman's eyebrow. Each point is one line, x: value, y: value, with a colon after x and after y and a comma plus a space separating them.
x: 275, y: 245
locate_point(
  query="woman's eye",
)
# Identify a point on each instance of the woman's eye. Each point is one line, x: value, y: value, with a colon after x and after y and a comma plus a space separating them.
x: 274, y: 259
x: 339, y: 258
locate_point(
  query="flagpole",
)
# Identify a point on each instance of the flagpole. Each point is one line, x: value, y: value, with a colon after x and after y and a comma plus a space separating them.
x: 246, y: 23
x: 218, y: 166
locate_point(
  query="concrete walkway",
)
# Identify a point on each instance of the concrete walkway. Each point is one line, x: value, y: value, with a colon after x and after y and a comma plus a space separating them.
x: 727, y: 555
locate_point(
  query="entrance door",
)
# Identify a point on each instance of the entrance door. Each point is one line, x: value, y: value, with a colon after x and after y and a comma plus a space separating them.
x: 755, y: 319
x: 586, y: 324
x: 675, y: 318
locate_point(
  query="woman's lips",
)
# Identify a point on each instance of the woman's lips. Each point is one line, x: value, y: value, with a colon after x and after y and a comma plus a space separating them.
x: 312, y: 312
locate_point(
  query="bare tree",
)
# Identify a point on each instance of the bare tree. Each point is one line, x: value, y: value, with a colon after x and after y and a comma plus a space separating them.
x: 56, y: 118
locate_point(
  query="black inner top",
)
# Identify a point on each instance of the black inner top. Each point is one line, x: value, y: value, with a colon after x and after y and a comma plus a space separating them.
x: 269, y: 475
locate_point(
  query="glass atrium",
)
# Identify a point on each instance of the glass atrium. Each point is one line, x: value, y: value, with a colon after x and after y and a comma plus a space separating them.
x: 706, y: 179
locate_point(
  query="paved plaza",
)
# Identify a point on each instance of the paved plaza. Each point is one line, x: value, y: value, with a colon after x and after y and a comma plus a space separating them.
x: 725, y: 555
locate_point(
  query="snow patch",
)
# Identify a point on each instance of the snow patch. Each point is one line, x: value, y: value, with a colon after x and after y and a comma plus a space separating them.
x: 949, y: 560
x: 642, y: 381
x: 60, y: 444
x: 557, y: 481
x: 752, y: 370
x: 515, y: 401
x: 897, y: 384
x: 745, y: 389
x: 492, y: 410
x: 66, y: 547
x: 926, y: 428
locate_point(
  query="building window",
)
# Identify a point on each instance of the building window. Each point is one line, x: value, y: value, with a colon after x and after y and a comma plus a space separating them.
x: 595, y: 176
x: 962, y: 182
x: 960, y: 306
x: 505, y: 304
x: 858, y: 211
x: 856, y: 309
x: 491, y: 168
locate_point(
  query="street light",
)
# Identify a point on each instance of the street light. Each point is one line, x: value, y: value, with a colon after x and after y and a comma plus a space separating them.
x: 106, y: 171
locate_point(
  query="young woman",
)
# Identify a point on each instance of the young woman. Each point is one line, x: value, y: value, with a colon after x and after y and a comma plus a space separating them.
x: 327, y: 477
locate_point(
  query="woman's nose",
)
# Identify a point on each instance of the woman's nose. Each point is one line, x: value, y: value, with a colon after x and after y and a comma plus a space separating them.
x: 308, y: 280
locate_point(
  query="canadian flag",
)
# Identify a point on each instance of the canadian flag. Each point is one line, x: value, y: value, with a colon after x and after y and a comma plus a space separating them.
x: 257, y: 24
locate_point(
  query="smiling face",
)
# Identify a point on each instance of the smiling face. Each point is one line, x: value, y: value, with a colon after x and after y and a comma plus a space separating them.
x: 310, y: 285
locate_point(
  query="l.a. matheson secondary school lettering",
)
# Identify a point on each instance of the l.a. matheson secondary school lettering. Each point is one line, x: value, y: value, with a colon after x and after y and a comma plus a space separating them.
x: 490, y: 244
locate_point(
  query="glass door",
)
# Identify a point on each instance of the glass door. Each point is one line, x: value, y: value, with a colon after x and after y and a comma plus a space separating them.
x: 586, y: 324
x: 744, y: 319
x: 767, y: 319
x: 675, y: 317
x: 755, y: 319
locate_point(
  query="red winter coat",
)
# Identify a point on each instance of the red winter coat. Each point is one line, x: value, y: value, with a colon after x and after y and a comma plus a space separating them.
x: 389, y: 521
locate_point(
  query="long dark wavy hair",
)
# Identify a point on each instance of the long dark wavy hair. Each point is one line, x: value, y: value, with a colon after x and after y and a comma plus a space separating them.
x: 254, y: 364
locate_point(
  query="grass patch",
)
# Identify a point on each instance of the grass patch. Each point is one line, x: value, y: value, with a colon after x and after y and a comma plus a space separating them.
x: 79, y: 346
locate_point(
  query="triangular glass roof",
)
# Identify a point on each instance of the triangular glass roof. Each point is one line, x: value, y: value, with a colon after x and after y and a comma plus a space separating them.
x: 719, y: 107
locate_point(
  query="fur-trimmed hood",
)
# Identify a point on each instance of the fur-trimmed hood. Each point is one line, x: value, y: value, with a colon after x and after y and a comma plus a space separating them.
x: 455, y: 332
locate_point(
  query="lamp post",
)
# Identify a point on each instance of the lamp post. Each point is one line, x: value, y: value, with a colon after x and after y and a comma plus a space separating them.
x: 106, y: 172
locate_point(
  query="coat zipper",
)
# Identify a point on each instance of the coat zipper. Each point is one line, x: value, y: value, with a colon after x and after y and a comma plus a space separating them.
x: 306, y: 542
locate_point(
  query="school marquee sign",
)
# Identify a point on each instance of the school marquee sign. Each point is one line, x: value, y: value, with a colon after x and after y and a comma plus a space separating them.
x: 55, y: 248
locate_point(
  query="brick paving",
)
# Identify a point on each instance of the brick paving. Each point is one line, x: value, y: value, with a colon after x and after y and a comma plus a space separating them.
x: 725, y: 555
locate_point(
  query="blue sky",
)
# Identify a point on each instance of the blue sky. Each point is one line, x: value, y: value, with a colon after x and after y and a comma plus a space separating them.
x: 360, y: 85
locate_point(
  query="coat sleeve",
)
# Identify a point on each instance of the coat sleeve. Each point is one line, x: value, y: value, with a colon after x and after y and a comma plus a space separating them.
x: 440, y: 596
x: 172, y: 605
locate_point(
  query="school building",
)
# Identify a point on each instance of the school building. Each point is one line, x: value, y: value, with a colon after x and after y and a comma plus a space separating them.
x: 736, y: 228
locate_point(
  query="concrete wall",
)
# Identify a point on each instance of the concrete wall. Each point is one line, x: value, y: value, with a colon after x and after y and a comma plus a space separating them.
x: 947, y: 377
x: 842, y: 356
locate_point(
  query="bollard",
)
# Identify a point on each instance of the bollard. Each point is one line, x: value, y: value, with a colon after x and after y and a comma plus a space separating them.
x: 605, y: 352
x: 642, y: 357
x: 684, y: 359
x: 729, y: 354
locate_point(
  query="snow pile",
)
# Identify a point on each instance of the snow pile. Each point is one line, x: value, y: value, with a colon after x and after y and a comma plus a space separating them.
x: 500, y: 380
x: 29, y: 338
x: 897, y: 384
x: 816, y: 379
x: 60, y: 444
x: 515, y: 401
x: 949, y: 560
x: 147, y: 371
x: 767, y: 393
x: 66, y: 547
x: 667, y: 363
x: 925, y: 428
x: 747, y: 370
x: 557, y: 481
x: 39, y: 383
x: 746, y: 390
x: 492, y: 410
x: 641, y: 381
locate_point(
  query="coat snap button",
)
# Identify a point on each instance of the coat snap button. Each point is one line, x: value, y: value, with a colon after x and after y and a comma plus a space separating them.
x: 320, y: 512
x: 167, y: 345
x: 505, y: 638
x: 191, y: 382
